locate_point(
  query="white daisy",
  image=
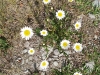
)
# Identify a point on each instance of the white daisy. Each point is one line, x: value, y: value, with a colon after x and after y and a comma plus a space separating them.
x: 46, y: 1
x: 44, y: 32
x: 65, y: 44
x: 31, y: 51
x: 77, y: 25
x: 26, y: 33
x: 77, y: 73
x: 60, y: 14
x: 44, y: 64
x: 77, y: 47
x: 70, y: 0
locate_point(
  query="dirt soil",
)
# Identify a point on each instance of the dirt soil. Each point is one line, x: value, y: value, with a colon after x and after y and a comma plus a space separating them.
x: 20, y: 13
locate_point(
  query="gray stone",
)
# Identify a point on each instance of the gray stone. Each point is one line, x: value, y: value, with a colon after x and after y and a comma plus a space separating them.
x: 90, y: 65
x: 96, y: 3
x: 61, y: 54
x: 26, y: 44
x: 27, y: 60
x: 91, y: 16
x: 56, y: 52
x: 68, y: 52
x: 55, y: 63
x: 30, y: 58
x: 24, y: 51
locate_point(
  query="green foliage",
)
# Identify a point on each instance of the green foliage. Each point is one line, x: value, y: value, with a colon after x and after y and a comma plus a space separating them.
x: 86, y: 7
x: 1, y: 31
x: 4, y: 45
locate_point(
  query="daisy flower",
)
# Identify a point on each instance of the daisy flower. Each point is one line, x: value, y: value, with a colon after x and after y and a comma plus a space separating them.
x: 46, y: 1
x: 77, y: 73
x: 70, y: 0
x: 44, y: 33
x: 60, y: 14
x: 65, y: 44
x: 44, y: 64
x: 26, y: 33
x: 77, y: 25
x: 31, y: 51
x: 77, y: 47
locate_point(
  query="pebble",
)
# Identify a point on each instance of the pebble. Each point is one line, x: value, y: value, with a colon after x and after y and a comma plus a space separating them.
x: 96, y: 37
x: 61, y: 54
x: 50, y: 59
x: 55, y: 56
x: 90, y: 65
x: 26, y: 44
x: 56, y: 52
x: 26, y: 71
x: 43, y: 57
x: 22, y: 62
x: 24, y: 51
x: 96, y: 3
x: 27, y: 61
x: 42, y: 73
x: 68, y: 52
x: 30, y: 58
x: 55, y: 63
x: 91, y: 16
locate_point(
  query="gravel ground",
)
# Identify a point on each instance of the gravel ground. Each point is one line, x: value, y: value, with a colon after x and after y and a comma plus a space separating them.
x: 18, y: 62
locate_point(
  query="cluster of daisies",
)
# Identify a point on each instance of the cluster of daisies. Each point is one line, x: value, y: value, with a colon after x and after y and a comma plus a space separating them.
x: 27, y: 32
x: 65, y: 44
x: 60, y: 14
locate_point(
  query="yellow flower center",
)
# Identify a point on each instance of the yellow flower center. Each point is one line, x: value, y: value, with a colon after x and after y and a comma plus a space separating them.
x: 77, y: 25
x: 43, y: 32
x: 77, y: 47
x: 43, y: 63
x: 31, y: 51
x: 60, y: 14
x: 26, y: 32
x: 46, y: 0
x: 77, y: 74
x: 65, y: 44
x: 70, y: 0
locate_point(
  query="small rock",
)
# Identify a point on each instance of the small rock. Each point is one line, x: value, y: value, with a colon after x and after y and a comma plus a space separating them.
x: 90, y: 65
x: 55, y: 63
x: 27, y: 61
x: 22, y: 62
x: 30, y: 58
x: 43, y: 57
x: 24, y: 51
x: 68, y: 52
x: 26, y: 44
x: 55, y: 56
x: 42, y: 73
x: 35, y: 58
x: 96, y: 3
x: 96, y: 37
x: 50, y: 59
x: 26, y: 71
x: 61, y: 54
x: 56, y: 52
x: 91, y: 16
